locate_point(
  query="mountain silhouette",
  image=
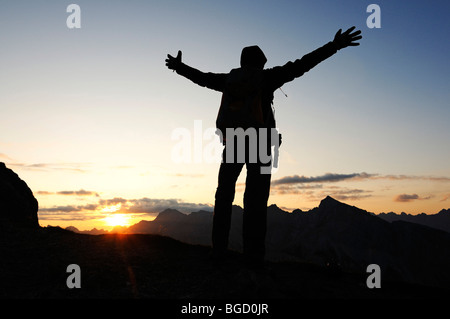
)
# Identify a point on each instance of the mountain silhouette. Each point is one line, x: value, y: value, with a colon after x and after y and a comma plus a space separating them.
x: 440, y: 220
x: 321, y: 253
x: 333, y: 235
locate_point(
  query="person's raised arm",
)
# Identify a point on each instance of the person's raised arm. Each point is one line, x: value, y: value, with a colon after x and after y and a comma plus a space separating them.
x: 214, y: 81
x: 292, y: 70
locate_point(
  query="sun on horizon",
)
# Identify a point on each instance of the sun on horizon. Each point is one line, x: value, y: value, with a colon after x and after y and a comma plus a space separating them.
x: 117, y: 220
x: 114, y: 218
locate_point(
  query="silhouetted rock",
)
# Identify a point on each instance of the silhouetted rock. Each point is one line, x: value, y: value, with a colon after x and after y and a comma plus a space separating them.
x: 18, y: 206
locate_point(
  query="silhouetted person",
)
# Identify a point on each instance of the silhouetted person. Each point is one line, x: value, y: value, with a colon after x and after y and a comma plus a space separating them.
x: 247, y: 97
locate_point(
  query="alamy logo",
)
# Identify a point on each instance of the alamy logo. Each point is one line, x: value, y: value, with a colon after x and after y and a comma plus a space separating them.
x: 374, y: 19
x: 374, y: 279
x: 74, y: 279
x: 204, y: 146
x: 74, y: 19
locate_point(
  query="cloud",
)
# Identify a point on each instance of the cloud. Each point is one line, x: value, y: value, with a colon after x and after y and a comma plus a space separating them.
x: 404, y: 198
x: 48, y: 167
x: 112, y: 201
x: 44, y: 193
x: 81, y: 192
x: 70, y: 212
x: 149, y: 206
x: 350, y: 194
x: 314, y: 187
x: 289, y: 189
x: 413, y: 177
x: 316, y: 192
x: 69, y: 208
x: 333, y: 177
x: 342, y: 194
x: 60, y: 209
x: 328, y: 177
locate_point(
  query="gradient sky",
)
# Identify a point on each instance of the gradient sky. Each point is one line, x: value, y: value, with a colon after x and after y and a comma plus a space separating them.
x: 87, y: 115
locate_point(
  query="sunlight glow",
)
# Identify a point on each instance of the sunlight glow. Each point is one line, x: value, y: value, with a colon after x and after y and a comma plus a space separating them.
x: 117, y: 220
x: 111, y: 208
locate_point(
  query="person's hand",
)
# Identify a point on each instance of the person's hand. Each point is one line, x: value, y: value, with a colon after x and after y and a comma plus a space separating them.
x: 343, y: 40
x: 173, y: 63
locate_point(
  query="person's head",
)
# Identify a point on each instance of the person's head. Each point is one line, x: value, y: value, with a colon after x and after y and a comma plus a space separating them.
x: 253, y: 56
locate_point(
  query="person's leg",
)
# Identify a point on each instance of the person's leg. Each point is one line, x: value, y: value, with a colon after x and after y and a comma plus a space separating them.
x: 257, y: 189
x: 228, y: 174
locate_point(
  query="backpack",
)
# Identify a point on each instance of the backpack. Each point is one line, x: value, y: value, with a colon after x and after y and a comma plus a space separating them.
x: 241, y: 104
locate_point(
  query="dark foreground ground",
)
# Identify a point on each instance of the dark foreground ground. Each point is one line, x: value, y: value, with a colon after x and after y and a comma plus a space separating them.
x: 33, y: 265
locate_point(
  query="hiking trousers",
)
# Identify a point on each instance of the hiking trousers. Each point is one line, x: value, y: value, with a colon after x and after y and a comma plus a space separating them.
x: 256, y: 195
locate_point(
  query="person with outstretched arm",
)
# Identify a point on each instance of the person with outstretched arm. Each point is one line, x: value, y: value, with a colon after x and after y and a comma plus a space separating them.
x: 247, y: 98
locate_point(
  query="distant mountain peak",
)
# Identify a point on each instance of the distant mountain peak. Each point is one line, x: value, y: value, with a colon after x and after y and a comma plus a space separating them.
x: 275, y: 209
x: 329, y: 199
x: 170, y: 211
x: 169, y: 214
x: 329, y: 202
x: 332, y: 207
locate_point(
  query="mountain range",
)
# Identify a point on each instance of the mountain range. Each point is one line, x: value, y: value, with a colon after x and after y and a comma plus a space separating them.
x: 325, y: 253
x: 334, y: 235
x: 440, y: 220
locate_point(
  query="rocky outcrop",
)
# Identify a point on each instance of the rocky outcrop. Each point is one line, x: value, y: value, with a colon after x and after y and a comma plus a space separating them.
x: 18, y: 206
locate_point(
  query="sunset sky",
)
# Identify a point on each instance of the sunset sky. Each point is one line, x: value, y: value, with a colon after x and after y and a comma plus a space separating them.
x: 87, y: 115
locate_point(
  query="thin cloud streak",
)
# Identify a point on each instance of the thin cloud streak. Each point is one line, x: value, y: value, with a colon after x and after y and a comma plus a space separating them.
x: 48, y: 167
x: 328, y: 177
x: 333, y: 177
x: 413, y: 177
x: 80, y: 192
x: 144, y: 206
x: 405, y: 198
